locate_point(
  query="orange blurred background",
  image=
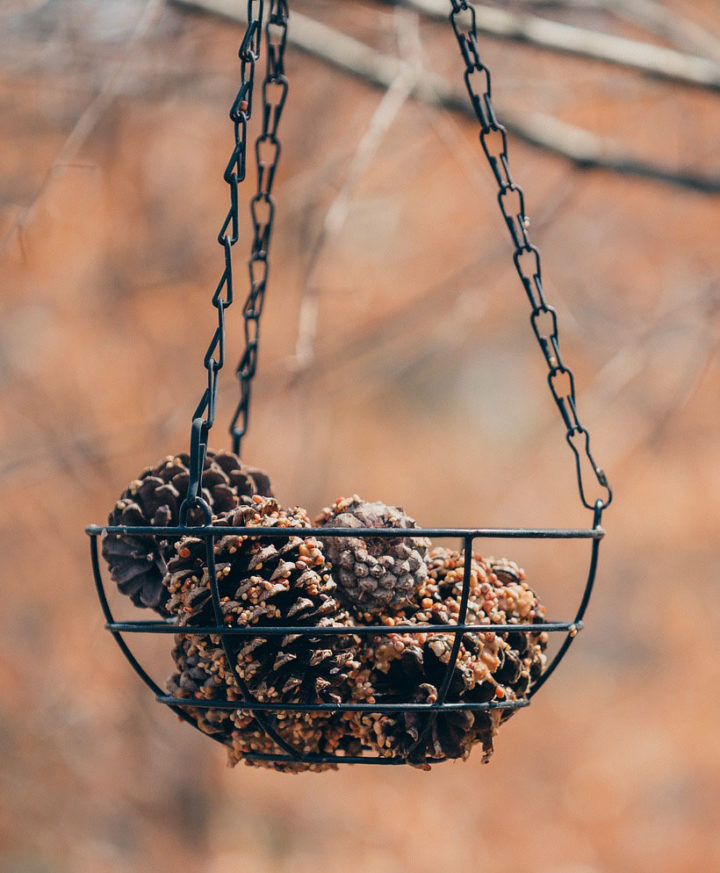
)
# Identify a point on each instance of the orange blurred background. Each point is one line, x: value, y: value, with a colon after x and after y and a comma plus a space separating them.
x: 425, y: 388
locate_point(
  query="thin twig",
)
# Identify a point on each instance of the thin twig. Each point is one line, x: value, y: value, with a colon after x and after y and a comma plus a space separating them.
x: 385, y: 114
x: 615, y: 379
x: 580, y: 147
x: 428, y: 310
x: 86, y: 123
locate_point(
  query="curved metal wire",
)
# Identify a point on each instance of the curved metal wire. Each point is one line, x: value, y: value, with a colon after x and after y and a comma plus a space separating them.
x: 265, y: 713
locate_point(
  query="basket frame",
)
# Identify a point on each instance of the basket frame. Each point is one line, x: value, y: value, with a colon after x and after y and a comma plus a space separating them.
x: 260, y: 710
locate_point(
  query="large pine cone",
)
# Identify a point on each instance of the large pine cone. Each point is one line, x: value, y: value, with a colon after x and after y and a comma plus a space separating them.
x: 411, y: 667
x: 138, y: 563
x: 273, y: 583
x: 374, y: 575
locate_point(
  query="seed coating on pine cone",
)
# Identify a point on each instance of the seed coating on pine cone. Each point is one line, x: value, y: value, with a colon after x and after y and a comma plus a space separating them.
x: 138, y: 563
x: 374, y: 575
x: 202, y: 674
x: 268, y: 582
x: 490, y: 667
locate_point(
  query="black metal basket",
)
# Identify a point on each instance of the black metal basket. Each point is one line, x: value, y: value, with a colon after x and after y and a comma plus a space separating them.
x: 260, y: 710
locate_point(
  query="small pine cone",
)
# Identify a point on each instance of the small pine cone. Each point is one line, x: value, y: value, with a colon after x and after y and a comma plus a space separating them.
x: 374, y: 575
x: 490, y: 666
x: 267, y: 582
x: 138, y: 563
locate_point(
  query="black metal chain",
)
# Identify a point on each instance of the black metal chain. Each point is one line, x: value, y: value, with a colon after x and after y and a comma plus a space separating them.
x: 204, y: 415
x: 493, y: 138
x: 262, y: 207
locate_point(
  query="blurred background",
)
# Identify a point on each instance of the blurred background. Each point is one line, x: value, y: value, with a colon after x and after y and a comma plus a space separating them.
x: 397, y: 362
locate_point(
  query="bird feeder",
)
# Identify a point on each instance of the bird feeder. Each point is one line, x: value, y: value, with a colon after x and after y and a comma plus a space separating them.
x: 303, y: 644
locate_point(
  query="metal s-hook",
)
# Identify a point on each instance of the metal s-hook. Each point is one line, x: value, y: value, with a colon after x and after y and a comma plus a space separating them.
x: 198, y: 450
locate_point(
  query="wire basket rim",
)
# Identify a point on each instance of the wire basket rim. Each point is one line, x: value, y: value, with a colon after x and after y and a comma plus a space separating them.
x: 593, y: 533
x: 262, y: 630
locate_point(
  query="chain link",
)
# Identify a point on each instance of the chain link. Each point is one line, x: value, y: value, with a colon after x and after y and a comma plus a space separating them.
x: 493, y: 138
x: 204, y: 415
x: 262, y: 207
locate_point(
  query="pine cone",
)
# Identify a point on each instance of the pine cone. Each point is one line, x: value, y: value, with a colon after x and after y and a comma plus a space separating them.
x: 202, y: 674
x: 411, y: 667
x: 374, y: 575
x: 269, y: 582
x: 138, y: 563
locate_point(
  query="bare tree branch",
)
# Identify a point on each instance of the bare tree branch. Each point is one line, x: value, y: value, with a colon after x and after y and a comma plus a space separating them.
x: 653, y: 16
x: 580, y: 147
x: 653, y: 60
x: 659, y: 19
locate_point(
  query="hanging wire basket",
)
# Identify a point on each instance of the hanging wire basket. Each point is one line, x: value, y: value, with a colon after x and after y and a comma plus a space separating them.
x: 526, y: 258
x: 260, y: 710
